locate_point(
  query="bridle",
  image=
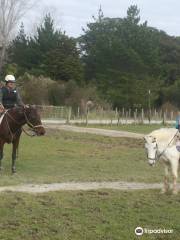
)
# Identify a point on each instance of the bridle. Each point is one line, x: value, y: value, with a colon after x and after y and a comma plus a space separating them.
x: 154, y: 159
x: 156, y: 156
x: 30, y: 124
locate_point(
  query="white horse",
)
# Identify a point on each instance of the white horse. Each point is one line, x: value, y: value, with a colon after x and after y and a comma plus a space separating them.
x: 161, y: 144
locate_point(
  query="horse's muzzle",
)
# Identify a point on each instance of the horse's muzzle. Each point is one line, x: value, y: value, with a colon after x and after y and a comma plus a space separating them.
x: 151, y: 162
x: 40, y: 131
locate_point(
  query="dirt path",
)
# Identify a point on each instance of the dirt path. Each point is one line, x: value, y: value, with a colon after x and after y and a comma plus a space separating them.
x: 98, y: 131
x: 77, y: 186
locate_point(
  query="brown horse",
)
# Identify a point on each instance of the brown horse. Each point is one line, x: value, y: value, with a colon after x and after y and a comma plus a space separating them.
x: 11, y: 128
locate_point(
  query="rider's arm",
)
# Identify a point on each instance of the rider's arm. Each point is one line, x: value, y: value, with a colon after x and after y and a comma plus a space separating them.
x: 178, y: 123
x: 1, y: 96
x: 19, y: 101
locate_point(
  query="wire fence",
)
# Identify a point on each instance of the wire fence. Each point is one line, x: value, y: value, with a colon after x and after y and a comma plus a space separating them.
x: 53, y: 112
x: 107, y: 116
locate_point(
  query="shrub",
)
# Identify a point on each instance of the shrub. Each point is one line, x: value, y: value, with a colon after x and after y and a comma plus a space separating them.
x: 34, y: 90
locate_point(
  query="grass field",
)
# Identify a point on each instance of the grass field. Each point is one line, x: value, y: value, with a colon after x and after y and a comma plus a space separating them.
x: 64, y: 156
x: 93, y: 215
x: 76, y: 215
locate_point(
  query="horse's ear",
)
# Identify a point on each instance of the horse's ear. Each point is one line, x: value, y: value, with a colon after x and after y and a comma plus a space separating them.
x: 145, y: 138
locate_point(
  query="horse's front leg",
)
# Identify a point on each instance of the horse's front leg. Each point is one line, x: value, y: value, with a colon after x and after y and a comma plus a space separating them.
x: 175, y: 191
x: 14, y: 154
x: 174, y: 167
x: 166, y: 179
x: 14, y: 159
x: 1, y: 154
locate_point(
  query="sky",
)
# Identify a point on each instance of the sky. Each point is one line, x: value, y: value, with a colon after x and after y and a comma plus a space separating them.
x: 72, y: 15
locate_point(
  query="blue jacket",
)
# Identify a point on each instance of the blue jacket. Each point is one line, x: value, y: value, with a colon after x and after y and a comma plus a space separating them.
x: 178, y: 122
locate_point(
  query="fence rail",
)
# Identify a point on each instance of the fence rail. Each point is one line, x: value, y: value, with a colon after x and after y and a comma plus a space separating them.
x: 117, y: 116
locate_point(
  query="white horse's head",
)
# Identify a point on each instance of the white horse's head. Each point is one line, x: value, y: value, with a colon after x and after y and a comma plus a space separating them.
x: 151, y: 149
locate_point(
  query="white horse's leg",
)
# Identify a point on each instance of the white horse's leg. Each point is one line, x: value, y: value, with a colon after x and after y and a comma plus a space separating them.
x: 174, y: 168
x: 166, y: 179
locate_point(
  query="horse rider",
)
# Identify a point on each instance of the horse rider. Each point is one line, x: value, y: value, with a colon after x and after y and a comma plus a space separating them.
x: 9, y: 96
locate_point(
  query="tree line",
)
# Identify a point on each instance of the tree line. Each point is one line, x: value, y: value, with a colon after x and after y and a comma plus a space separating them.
x: 119, y: 61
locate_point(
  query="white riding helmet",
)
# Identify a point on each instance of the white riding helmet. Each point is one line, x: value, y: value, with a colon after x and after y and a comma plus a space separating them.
x: 10, y: 78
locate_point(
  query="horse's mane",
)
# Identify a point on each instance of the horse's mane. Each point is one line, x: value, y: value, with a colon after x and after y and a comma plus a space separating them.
x: 22, y: 108
x: 163, y: 134
x: 16, y: 109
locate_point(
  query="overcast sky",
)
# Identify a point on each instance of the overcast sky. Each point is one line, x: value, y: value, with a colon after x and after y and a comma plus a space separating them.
x: 72, y: 15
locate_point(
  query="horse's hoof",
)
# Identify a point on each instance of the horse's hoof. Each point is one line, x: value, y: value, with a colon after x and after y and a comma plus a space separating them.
x: 13, y: 171
x: 163, y: 191
x: 175, y: 192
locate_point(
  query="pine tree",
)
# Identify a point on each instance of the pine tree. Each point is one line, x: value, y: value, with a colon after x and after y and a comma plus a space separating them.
x: 18, y: 51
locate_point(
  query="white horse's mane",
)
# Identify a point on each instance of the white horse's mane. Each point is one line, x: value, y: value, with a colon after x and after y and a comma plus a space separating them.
x: 162, y: 134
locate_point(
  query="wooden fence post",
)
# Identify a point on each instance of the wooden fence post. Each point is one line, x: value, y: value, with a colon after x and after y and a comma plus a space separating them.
x: 164, y: 118
x: 155, y: 114
x: 116, y: 114
x: 118, y: 119
x: 123, y: 112
x: 149, y: 115
x: 78, y: 111
x: 126, y: 117
x: 87, y: 116
x: 142, y: 115
x: 135, y: 116
x: 171, y: 116
x: 69, y: 115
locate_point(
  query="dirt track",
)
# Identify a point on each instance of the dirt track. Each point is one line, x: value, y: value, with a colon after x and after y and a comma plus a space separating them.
x: 98, y: 131
x: 77, y: 186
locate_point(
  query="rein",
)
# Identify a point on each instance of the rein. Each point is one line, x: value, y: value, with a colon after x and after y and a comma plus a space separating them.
x: 12, y: 118
x: 28, y: 134
x: 7, y: 123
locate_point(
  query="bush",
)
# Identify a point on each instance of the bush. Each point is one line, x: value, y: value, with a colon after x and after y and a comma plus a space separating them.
x: 35, y: 90
x: 44, y: 91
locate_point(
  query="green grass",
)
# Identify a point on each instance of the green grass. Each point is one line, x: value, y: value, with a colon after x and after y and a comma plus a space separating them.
x: 64, y: 156
x: 92, y: 215
x: 137, y: 128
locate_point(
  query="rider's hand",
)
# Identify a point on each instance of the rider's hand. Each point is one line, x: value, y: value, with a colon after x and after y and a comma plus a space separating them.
x: 1, y: 108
